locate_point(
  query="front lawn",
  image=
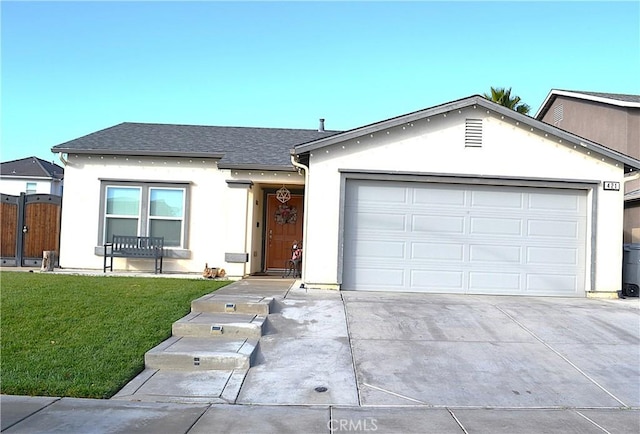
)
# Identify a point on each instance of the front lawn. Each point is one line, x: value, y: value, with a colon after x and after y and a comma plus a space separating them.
x: 85, y: 336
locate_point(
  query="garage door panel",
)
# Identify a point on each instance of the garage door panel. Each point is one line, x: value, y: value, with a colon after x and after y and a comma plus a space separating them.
x: 437, y: 251
x: 563, y: 284
x: 495, y: 253
x: 439, y: 196
x: 376, y: 193
x: 437, y: 279
x: 496, y: 226
x: 553, y: 228
x: 464, y: 238
x: 557, y: 201
x: 552, y: 255
x: 493, y: 199
x: 375, y: 221
x: 381, y: 277
x: 498, y: 282
x: 438, y: 224
x: 380, y: 249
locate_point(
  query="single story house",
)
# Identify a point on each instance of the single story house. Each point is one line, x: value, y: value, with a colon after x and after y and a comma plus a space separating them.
x: 611, y: 119
x: 31, y: 175
x: 464, y: 197
x: 228, y: 197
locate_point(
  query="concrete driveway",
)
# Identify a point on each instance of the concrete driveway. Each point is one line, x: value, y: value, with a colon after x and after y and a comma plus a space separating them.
x: 503, y: 352
x: 430, y: 350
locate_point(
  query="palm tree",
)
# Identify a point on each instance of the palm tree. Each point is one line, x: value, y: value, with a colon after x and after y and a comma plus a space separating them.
x: 503, y: 97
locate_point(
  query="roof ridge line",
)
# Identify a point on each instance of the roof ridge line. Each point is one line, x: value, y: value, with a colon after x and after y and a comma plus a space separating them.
x: 223, y: 126
x: 38, y: 160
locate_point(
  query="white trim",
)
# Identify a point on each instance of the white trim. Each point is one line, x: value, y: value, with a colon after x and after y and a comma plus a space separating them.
x: 18, y: 177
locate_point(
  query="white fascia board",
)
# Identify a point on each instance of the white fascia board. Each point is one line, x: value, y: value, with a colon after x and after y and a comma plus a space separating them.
x: 29, y: 178
x: 140, y: 153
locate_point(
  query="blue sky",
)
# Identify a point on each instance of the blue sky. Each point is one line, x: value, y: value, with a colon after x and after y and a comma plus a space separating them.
x: 72, y: 68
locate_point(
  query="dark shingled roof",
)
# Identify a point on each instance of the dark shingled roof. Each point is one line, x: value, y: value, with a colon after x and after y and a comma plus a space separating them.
x: 32, y: 167
x: 236, y: 146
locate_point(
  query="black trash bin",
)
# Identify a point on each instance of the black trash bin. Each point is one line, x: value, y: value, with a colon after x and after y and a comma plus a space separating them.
x: 631, y: 270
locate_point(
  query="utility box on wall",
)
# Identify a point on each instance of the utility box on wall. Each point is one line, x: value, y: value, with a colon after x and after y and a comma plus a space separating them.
x: 631, y: 270
x: 236, y: 257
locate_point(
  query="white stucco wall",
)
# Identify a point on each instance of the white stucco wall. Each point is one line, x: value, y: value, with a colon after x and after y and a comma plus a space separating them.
x: 436, y: 146
x: 221, y: 219
x: 81, y: 207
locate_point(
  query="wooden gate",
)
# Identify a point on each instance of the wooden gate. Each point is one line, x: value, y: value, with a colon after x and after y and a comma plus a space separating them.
x: 30, y: 225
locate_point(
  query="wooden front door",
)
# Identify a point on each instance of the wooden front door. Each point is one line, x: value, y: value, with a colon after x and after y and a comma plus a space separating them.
x: 283, y: 226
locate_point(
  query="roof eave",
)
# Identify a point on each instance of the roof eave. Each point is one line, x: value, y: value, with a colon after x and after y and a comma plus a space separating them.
x: 264, y: 167
x: 138, y: 153
x: 44, y: 178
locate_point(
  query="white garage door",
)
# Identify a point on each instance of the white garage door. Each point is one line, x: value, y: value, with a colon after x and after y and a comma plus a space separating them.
x: 419, y: 237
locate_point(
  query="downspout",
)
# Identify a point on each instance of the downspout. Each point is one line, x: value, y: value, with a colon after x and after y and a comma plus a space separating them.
x: 61, y: 158
x: 247, y: 229
x: 301, y: 166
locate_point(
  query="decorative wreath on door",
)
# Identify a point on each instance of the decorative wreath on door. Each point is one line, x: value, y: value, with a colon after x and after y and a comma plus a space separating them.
x: 286, y: 214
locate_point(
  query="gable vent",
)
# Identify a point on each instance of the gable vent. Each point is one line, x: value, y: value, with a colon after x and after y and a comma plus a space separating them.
x: 558, y: 114
x: 473, y: 133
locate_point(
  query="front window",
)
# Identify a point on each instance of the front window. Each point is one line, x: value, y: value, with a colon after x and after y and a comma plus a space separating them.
x: 31, y: 188
x: 122, y: 216
x: 166, y: 214
x: 145, y: 210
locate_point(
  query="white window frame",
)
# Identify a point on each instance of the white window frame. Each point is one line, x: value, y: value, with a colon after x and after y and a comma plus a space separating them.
x: 33, y: 190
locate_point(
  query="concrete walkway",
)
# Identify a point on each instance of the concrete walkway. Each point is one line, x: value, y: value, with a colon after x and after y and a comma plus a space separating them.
x: 389, y: 363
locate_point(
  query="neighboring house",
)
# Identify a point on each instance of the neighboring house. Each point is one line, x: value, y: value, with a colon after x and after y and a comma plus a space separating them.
x: 30, y: 176
x: 464, y: 197
x: 612, y: 120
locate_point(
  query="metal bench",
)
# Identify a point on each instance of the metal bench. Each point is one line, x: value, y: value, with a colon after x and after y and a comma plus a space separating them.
x: 125, y: 246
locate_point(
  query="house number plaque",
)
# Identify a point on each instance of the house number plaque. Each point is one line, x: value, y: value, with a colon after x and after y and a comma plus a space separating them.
x: 611, y: 185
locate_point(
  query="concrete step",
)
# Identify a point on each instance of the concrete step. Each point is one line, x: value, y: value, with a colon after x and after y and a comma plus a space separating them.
x: 220, y: 303
x: 219, y: 325
x: 201, y: 354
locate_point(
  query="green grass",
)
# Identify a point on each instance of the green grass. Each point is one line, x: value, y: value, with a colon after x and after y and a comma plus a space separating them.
x: 85, y: 336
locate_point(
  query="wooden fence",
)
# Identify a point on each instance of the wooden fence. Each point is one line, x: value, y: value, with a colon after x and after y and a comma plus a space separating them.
x: 30, y: 225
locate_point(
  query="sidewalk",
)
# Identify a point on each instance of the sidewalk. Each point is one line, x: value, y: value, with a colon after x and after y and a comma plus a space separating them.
x: 69, y: 415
